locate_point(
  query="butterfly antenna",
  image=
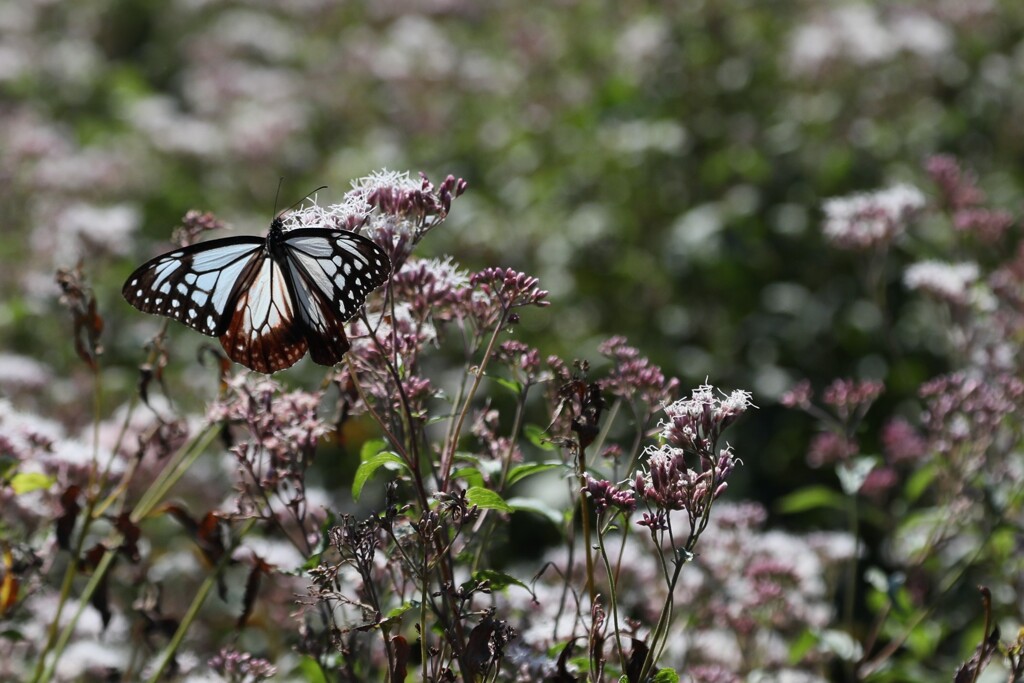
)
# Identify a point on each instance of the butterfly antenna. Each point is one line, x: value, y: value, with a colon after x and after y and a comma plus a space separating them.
x: 308, y: 195
x: 277, y: 194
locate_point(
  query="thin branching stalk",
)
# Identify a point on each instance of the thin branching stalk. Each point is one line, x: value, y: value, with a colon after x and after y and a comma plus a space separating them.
x: 449, y: 453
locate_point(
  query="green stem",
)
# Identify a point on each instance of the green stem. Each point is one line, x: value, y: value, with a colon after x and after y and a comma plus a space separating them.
x: 197, y: 603
x: 449, y: 454
x: 179, y: 464
x: 612, y: 597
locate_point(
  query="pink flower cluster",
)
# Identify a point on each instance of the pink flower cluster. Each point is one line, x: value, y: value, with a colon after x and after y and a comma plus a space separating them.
x: 691, y: 433
x: 634, y: 376
x: 961, y: 196
x: 283, y: 427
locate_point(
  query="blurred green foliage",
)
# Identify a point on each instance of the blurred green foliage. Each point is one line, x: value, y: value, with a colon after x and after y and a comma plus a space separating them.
x: 660, y: 166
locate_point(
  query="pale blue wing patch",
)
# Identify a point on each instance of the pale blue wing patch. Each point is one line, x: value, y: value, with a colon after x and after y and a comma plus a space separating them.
x: 195, y: 285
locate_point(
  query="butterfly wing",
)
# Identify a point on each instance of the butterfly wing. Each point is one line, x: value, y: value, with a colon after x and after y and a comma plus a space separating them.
x: 196, y: 285
x: 330, y: 273
x: 263, y: 333
x: 266, y: 308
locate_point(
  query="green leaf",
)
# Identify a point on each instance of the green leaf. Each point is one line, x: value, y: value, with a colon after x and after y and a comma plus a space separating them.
x: 369, y: 466
x: 468, y: 457
x: 538, y: 437
x: 520, y: 472
x: 26, y: 482
x: 537, y: 506
x: 471, y: 475
x: 801, y: 645
x: 371, y: 448
x: 811, y: 498
x: 666, y: 676
x: 310, y: 670
x: 487, y: 499
x: 515, y: 387
x: 919, y: 482
x: 498, y: 580
x: 396, y: 612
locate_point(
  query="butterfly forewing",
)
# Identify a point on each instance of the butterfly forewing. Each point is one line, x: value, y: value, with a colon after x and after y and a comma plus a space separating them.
x: 195, y: 284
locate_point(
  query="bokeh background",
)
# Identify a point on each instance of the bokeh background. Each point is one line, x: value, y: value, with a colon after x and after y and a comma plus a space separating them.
x: 660, y: 167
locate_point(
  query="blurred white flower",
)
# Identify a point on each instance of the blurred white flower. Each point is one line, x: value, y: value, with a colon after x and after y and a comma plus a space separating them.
x: 22, y: 372
x: 640, y: 136
x: 255, y: 32
x: 859, y: 33
x: 81, y: 228
x: 949, y: 282
x: 170, y: 130
x: 921, y: 34
x: 865, y: 220
x: 641, y: 42
x: 414, y: 47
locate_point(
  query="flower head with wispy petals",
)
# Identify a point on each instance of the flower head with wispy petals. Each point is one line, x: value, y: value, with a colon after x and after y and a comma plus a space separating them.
x: 694, y: 424
x: 605, y: 495
x: 690, y: 434
x: 431, y: 287
x: 402, y: 210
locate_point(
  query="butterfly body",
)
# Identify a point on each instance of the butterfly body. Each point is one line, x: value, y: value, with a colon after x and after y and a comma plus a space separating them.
x: 268, y: 300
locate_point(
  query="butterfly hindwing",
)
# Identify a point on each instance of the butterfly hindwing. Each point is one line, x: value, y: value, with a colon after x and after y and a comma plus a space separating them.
x: 263, y: 333
x: 330, y: 273
x: 195, y: 284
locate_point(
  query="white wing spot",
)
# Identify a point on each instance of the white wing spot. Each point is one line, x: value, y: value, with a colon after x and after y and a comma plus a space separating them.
x: 207, y: 281
x: 182, y: 288
x: 135, y: 282
x: 175, y: 303
x: 348, y: 268
x: 138, y: 292
x: 209, y: 322
x: 192, y: 313
x: 165, y: 288
x: 158, y: 300
x: 190, y: 278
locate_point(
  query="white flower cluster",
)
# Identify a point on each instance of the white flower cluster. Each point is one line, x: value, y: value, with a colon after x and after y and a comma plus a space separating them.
x: 950, y: 282
x: 865, y: 220
x: 860, y: 34
x: 703, y: 405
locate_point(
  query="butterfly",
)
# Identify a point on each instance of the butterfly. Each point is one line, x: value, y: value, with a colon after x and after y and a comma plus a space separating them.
x: 267, y: 299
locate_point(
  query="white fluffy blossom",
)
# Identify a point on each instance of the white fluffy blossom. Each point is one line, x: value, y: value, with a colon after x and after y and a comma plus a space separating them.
x: 951, y: 282
x: 865, y: 220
